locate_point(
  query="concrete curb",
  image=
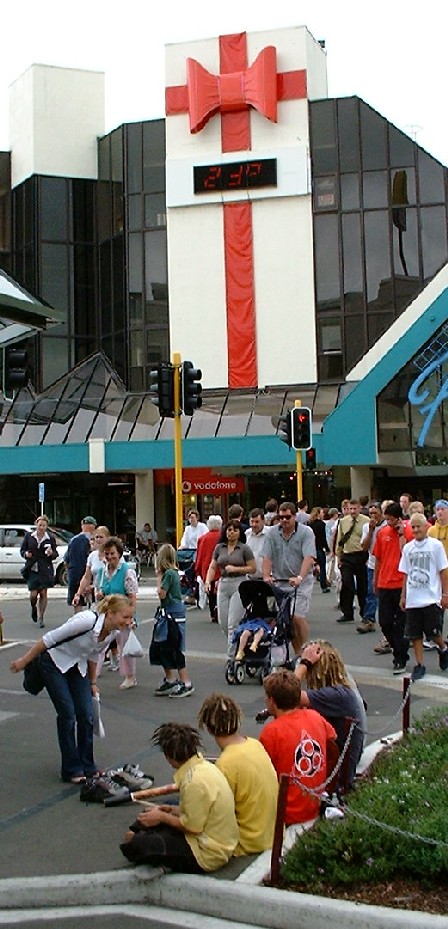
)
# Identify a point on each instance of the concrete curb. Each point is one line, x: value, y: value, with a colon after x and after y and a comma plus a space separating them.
x: 262, y: 906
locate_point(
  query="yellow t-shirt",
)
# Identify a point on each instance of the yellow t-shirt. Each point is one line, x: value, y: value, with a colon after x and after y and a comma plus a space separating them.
x: 441, y: 533
x: 207, y: 812
x: 254, y: 784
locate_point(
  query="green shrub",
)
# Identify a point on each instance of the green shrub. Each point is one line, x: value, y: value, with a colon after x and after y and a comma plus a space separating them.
x: 406, y: 789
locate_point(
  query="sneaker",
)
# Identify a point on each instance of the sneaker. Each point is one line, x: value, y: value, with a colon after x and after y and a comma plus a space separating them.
x: 366, y: 625
x: 383, y: 647
x: 443, y: 660
x: 429, y: 644
x: 345, y: 619
x: 113, y: 664
x: 128, y: 683
x: 182, y: 690
x: 190, y: 601
x: 418, y: 672
x: 166, y: 688
x: 399, y: 668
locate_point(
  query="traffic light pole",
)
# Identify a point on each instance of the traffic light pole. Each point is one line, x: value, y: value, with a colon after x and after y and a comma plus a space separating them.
x: 299, y: 464
x: 177, y: 364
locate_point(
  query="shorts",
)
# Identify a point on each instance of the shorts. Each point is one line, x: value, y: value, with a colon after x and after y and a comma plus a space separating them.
x: 424, y: 620
x: 301, y: 603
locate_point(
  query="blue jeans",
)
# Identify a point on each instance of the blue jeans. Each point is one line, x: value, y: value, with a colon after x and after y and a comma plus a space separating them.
x: 371, y: 599
x: 71, y: 697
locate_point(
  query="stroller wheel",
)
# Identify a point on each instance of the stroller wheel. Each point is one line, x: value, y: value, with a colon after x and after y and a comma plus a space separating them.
x: 229, y: 673
x: 251, y: 670
x: 240, y: 674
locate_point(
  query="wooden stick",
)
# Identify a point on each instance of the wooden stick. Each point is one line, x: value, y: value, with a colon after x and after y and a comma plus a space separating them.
x: 154, y: 792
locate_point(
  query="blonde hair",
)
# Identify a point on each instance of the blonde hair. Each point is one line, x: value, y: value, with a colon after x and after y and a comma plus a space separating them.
x: 329, y: 671
x: 418, y: 519
x: 416, y: 507
x: 166, y: 558
x: 113, y: 603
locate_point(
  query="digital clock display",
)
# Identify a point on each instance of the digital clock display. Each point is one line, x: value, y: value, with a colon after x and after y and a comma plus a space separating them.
x: 237, y: 175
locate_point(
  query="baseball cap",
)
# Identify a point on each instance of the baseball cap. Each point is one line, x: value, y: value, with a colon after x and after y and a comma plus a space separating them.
x: 90, y: 521
x: 441, y: 503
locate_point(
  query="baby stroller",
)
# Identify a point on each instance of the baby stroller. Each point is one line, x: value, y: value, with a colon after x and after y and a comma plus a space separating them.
x: 261, y: 603
x: 186, y: 558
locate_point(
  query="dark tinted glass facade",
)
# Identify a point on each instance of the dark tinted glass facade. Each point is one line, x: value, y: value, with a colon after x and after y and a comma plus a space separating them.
x: 380, y: 227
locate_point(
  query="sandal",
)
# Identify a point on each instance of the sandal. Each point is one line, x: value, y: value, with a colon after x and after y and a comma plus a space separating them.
x: 76, y: 779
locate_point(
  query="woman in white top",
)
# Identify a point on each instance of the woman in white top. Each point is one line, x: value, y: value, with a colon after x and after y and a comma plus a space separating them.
x: 95, y: 562
x: 68, y: 657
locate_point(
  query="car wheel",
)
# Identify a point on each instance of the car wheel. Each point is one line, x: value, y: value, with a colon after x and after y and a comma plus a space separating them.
x: 61, y: 575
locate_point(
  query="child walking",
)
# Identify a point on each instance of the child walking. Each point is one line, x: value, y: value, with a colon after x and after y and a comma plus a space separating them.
x: 176, y: 682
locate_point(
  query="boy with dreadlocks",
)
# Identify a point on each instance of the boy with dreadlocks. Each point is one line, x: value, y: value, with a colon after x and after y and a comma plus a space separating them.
x: 201, y: 833
x: 249, y: 771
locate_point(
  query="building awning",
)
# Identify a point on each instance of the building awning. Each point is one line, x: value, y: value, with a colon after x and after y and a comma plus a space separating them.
x: 22, y: 313
x: 92, y: 402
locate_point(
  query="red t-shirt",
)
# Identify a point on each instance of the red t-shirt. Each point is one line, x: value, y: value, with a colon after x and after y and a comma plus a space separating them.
x: 297, y: 745
x: 388, y: 553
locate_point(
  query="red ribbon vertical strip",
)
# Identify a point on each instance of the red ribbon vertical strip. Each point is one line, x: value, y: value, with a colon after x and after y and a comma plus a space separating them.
x: 238, y: 242
x: 240, y: 298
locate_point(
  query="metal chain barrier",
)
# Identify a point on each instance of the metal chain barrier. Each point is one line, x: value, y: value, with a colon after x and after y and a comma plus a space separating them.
x: 398, y: 713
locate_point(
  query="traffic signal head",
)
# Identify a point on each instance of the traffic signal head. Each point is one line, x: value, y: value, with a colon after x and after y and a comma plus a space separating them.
x: 191, y: 388
x: 16, y: 368
x: 301, y: 428
x: 161, y: 389
x: 284, y: 429
x: 310, y: 458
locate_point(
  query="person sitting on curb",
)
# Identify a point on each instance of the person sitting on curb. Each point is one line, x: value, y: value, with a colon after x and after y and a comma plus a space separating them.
x: 249, y: 771
x: 201, y: 833
x: 296, y: 742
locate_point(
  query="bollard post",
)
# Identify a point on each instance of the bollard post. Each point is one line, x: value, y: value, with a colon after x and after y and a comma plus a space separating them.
x: 406, y: 715
x: 279, y: 829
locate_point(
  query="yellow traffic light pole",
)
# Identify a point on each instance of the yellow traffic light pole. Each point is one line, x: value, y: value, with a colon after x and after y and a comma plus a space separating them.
x: 299, y: 464
x: 177, y: 364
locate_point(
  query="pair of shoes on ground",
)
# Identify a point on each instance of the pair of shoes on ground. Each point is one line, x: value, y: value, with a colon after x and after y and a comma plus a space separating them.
x: 174, y: 689
x: 383, y: 647
x: 366, y: 625
x: 128, y: 683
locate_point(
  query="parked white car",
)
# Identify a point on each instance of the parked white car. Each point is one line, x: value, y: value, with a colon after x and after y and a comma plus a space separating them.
x: 11, y: 538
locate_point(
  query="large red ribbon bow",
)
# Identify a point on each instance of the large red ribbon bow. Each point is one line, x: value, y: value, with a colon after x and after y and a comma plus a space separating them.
x: 209, y: 93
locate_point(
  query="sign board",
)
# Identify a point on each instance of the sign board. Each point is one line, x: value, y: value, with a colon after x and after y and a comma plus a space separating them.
x: 41, y: 493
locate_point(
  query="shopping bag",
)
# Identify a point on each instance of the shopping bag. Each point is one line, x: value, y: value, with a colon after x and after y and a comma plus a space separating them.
x: 132, y: 648
x: 98, y: 728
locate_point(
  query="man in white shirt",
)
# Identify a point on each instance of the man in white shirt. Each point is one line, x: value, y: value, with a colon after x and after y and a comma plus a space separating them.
x: 193, y: 531
x: 255, y: 538
x: 424, y: 593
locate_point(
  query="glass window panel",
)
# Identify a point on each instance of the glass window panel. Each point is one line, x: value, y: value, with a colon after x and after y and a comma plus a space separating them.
x: 157, y: 349
x: 104, y: 166
x: 434, y: 437
x: 84, y: 287
x: 374, y: 189
x: 136, y: 309
x: 373, y: 139
x: 155, y: 266
x: 352, y: 253
x: 104, y: 210
x: 330, y: 367
x: 117, y: 207
x: 118, y: 271
x: 402, y: 149
x: 105, y: 275
x: 350, y: 191
x: 323, y: 135
x: 328, y: 284
x: 155, y: 210
x: 430, y: 179
x: 325, y: 193
x: 135, y: 263
x: 29, y: 201
x: 434, y: 239
x: 116, y: 148
x: 354, y: 345
x: 377, y: 256
x: 330, y: 335
x: 53, y: 208
x: 155, y: 177
x: 134, y: 205
x: 154, y: 155
x: 137, y: 349
x: 348, y: 132
x: 134, y: 157
x: 405, y: 243
x: 377, y: 323
x: 83, y: 198
x: 403, y: 189
x: 156, y: 314
x: 54, y: 281
x: 55, y: 359
x: 17, y: 201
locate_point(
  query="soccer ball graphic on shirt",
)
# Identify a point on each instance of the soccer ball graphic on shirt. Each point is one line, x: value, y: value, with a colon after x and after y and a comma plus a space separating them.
x: 308, y: 758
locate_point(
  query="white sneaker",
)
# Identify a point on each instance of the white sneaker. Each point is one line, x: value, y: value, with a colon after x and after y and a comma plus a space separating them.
x: 113, y: 664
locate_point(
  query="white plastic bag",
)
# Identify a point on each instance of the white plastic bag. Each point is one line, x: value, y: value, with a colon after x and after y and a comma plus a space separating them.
x: 98, y: 728
x: 132, y: 648
x: 203, y: 599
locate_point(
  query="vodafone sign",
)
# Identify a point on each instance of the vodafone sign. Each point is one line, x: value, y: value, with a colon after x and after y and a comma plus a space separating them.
x: 213, y: 485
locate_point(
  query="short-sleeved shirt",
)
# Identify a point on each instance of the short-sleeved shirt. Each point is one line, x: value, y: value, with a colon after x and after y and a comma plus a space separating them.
x: 422, y: 562
x: 387, y: 551
x: 296, y: 743
x: 207, y: 812
x: 240, y: 556
x: 287, y: 555
x: 253, y: 781
x: 336, y: 704
x: 171, y: 583
x: 439, y: 532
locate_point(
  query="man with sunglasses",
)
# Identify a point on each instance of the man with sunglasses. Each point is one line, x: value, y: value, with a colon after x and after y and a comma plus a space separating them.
x: 288, y: 560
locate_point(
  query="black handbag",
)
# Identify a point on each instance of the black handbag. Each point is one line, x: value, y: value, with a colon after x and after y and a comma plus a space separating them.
x: 165, y: 640
x: 33, y: 679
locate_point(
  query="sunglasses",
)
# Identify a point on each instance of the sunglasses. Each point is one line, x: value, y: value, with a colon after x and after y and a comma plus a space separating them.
x: 286, y: 515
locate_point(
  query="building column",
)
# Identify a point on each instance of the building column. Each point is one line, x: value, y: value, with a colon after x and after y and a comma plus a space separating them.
x: 144, y: 499
x: 360, y: 481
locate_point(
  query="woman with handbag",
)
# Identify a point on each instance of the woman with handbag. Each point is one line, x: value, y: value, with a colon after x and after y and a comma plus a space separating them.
x: 39, y: 550
x: 117, y: 577
x: 176, y: 682
x: 67, y: 659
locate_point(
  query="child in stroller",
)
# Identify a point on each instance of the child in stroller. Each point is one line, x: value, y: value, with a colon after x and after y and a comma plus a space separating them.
x: 261, y: 639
